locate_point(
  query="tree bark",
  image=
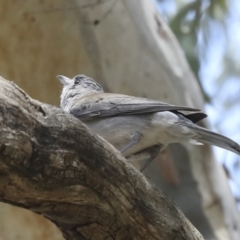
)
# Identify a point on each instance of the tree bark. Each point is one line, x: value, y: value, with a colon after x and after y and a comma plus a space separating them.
x: 52, y: 164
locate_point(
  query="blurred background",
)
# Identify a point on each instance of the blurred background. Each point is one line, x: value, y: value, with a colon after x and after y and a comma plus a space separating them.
x: 178, y: 51
x: 209, y: 34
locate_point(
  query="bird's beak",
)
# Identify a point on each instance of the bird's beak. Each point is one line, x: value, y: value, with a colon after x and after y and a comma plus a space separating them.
x: 64, y: 80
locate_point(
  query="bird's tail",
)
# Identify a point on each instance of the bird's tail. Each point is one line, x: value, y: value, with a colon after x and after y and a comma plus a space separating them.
x: 207, y: 136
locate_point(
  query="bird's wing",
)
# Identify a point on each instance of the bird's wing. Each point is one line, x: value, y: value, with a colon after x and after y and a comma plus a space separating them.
x: 107, y: 104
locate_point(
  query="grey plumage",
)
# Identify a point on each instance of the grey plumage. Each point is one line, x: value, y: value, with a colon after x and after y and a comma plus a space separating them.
x: 137, y: 123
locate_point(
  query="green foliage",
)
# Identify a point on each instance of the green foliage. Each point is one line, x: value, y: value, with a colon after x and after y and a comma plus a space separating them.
x: 190, y: 19
x: 217, y: 9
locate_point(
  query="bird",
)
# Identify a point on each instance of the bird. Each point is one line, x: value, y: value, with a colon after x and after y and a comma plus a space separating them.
x: 134, y: 124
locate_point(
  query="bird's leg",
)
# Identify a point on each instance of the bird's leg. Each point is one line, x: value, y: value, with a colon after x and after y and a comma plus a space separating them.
x: 147, y: 154
x: 154, y: 152
x: 135, y: 139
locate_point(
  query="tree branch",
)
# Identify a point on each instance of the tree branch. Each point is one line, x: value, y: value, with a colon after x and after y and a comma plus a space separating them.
x: 52, y: 164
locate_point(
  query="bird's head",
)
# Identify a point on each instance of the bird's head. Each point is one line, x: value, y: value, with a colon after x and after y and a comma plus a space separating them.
x: 76, y: 87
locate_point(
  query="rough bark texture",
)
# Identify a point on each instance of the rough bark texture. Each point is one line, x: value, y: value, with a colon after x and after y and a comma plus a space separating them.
x: 50, y: 163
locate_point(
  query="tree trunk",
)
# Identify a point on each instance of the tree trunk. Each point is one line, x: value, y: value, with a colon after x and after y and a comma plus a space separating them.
x: 127, y: 47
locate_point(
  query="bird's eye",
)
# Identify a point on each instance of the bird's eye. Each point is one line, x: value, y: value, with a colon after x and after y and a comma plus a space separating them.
x: 77, y: 81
